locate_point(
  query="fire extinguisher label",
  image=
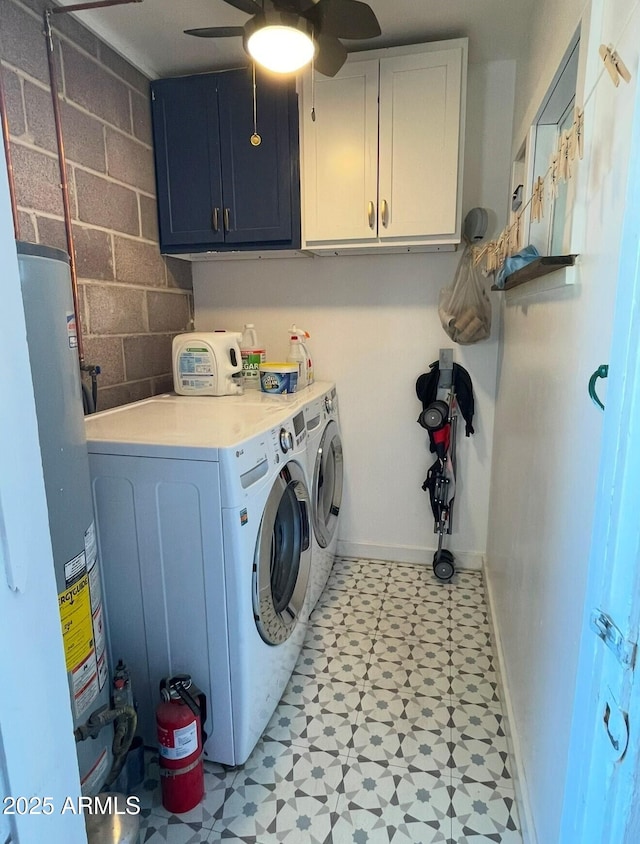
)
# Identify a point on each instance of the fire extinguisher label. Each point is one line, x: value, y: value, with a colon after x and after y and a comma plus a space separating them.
x: 178, y: 744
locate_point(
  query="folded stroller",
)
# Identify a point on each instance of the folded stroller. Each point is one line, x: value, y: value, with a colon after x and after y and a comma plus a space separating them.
x: 443, y: 390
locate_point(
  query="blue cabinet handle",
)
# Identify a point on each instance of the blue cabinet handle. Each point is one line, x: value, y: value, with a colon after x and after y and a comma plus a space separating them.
x: 601, y: 372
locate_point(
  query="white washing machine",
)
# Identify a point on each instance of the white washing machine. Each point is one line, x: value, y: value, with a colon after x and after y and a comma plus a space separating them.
x: 325, y: 466
x: 204, y: 524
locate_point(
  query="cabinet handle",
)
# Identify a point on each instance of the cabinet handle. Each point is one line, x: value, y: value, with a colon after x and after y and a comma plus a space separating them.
x: 384, y: 212
x: 226, y: 219
x: 214, y: 219
x: 372, y: 215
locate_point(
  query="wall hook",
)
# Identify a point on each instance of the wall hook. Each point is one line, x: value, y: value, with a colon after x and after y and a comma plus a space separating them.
x: 601, y: 372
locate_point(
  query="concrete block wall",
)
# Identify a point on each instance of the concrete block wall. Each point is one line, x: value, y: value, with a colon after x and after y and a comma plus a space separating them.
x: 132, y: 300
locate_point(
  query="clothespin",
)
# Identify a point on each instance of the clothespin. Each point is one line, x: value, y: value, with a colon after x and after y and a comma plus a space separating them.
x: 537, y: 200
x: 578, y: 131
x: 554, y: 167
x: 616, y: 68
x: 564, y: 171
x: 479, y: 253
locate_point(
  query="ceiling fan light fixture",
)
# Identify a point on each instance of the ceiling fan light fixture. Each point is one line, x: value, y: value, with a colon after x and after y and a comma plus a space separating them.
x: 280, y: 42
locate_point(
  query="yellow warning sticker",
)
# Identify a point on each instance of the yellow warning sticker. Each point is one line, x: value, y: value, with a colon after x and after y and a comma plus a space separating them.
x: 77, y: 623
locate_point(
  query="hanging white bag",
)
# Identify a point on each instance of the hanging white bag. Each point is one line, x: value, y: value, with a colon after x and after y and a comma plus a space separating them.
x: 464, y: 307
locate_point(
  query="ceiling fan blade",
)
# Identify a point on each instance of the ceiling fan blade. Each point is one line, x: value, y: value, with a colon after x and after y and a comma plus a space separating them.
x: 331, y: 55
x: 215, y: 31
x: 248, y: 6
x: 344, y: 19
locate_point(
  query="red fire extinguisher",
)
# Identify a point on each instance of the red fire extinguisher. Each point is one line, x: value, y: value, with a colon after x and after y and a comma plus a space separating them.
x: 179, y: 719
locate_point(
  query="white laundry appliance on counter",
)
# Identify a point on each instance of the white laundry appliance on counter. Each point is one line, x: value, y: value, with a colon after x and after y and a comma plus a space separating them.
x: 204, y: 525
x: 325, y: 467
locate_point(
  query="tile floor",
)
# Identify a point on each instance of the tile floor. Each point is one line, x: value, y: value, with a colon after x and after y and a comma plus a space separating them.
x: 390, y: 730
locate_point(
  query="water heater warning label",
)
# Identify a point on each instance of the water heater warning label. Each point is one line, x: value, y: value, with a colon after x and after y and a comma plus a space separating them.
x: 77, y: 623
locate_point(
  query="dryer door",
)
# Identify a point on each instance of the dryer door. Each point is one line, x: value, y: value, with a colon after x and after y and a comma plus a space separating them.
x: 283, y: 556
x: 327, y: 485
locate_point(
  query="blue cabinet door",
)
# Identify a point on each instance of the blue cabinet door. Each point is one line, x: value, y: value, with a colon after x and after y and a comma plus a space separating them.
x: 217, y: 191
x: 257, y: 180
x: 187, y: 155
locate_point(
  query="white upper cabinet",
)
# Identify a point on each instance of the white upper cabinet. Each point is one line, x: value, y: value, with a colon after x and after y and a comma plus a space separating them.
x: 382, y: 161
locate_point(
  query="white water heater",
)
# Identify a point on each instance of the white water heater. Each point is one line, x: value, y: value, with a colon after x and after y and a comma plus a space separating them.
x: 53, y: 357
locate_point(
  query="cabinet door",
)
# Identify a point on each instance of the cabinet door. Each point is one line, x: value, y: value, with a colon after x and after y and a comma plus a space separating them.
x: 257, y: 180
x: 340, y: 154
x: 420, y: 99
x: 187, y: 154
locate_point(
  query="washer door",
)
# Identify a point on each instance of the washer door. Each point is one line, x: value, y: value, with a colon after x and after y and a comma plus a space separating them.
x: 327, y: 485
x: 283, y: 556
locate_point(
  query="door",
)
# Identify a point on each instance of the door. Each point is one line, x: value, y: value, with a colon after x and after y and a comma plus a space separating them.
x: 420, y: 98
x: 340, y: 154
x: 257, y: 179
x: 187, y: 156
x: 602, y: 793
x: 327, y: 485
x: 283, y: 556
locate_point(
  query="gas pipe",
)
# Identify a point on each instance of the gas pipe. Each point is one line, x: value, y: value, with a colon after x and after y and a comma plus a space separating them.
x: 179, y: 718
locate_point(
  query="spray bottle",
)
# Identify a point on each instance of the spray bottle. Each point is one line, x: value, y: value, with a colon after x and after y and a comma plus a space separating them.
x: 252, y: 356
x: 298, y: 353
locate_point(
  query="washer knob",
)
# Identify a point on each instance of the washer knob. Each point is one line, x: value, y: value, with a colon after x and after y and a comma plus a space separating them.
x: 328, y: 404
x: 286, y: 440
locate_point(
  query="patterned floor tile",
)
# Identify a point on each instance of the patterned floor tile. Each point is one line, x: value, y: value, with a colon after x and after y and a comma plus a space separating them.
x: 350, y: 582
x: 172, y: 830
x: 471, y: 661
x: 469, y: 616
x: 317, y: 698
x: 384, y: 803
x: 325, y: 730
x: 434, y: 612
x: 473, y: 688
x: 311, y: 772
x: 344, y: 619
x: 483, y: 814
x: 403, y: 711
x: 424, y: 747
x: 364, y: 569
x: 429, y: 677
x: 339, y: 641
x: 328, y: 665
x: 253, y: 813
x: 421, y: 629
x: 418, y: 590
x: 470, y: 637
x: 390, y: 731
x: 350, y: 601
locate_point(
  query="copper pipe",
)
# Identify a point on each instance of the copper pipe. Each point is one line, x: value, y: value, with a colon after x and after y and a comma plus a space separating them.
x: 97, y: 4
x: 4, y: 118
x: 64, y: 181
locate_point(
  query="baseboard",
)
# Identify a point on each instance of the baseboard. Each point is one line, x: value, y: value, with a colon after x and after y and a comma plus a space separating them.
x: 406, y: 554
x: 527, y: 826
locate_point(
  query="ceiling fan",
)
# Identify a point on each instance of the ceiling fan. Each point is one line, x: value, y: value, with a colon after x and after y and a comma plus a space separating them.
x: 314, y: 27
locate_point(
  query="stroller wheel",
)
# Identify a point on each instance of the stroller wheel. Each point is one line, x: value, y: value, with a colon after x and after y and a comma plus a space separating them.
x: 443, y: 565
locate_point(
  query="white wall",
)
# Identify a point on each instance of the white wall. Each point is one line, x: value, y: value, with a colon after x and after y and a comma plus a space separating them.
x: 37, y: 750
x: 374, y: 328
x: 547, y: 431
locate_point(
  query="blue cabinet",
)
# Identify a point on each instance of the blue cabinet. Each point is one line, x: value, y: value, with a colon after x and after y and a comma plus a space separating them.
x: 216, y: 190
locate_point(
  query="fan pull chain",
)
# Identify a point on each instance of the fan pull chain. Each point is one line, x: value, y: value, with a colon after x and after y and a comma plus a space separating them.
x: 313, y: 89
x: 255, y: 139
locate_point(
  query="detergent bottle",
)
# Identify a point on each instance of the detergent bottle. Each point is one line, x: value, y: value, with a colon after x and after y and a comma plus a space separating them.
x: 299, y: 354
x: 252, y: 356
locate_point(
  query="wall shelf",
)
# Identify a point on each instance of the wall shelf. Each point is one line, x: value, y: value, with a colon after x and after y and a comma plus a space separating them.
x: 536, y: 269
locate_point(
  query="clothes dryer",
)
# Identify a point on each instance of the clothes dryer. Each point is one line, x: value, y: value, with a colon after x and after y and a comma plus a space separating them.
x: 204, y: 522
x: 325, y: 467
